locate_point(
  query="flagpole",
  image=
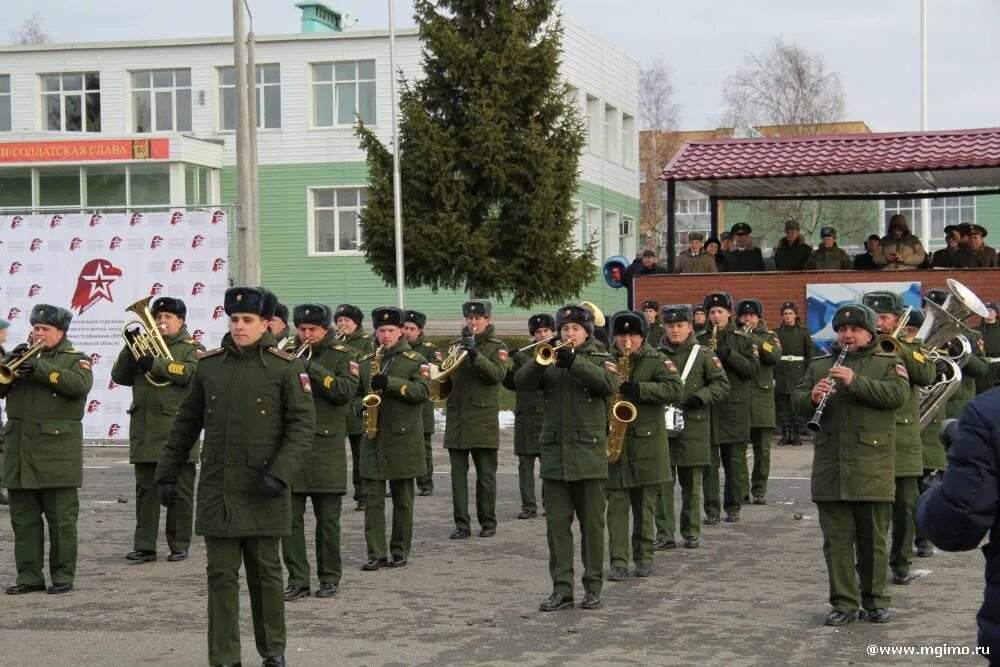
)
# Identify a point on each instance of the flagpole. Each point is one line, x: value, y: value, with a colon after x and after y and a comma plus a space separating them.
x: 396, y: 185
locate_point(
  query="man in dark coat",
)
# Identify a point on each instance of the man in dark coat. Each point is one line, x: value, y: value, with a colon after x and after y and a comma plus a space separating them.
x: 975, y: 255
x: 642, y: 266
x: 945, y: 257
x: 743, y: 256
x: 792, y: 251
x: 866, y: 261
x: 956, y: 514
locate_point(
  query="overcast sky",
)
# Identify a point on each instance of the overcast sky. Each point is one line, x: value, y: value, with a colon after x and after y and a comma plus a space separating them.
x: 873, y: 44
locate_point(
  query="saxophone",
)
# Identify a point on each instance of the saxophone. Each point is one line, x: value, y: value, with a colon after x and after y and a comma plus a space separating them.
x: 621, y: 412
x: 713, y: 340
x: 372, y: 400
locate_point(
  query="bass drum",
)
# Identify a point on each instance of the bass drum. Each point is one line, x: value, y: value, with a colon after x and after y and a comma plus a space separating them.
x: 675, y: 421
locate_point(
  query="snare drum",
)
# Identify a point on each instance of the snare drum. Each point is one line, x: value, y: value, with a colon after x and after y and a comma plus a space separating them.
x: 675, y: 421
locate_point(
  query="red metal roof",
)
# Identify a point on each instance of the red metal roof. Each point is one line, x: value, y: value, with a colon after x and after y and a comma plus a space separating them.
x: 840, y: 164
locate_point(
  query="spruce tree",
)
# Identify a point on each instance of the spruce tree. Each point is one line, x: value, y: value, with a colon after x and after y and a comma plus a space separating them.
x: 489, y: 153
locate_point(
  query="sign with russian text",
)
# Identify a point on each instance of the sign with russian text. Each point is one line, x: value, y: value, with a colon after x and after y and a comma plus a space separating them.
x: 97, y: 150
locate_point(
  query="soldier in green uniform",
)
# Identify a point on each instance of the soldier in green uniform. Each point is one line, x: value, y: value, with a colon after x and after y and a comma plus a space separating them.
x: 574, y: 463
x: 255, y: 404
x: 43, y: 466
x: 333, y: 376
x: 651, y: 309
x: 852, y: 472
x: 796, y: 355
x: 829, y: 256
x: 395, y: 453
x: 989, y: 331
x: 348, y: 319
x: 473, y: 426
x: 700, y: 318
x: 750, y: 312
x: 908, y: 467
x: 528, y: 413
x: 705, y: 383
x: 414, y: 328
x: 279, y: 326
x: 644, y: 466
x: 158, y: 385
x: 731, y: 417
x: 4, y: 328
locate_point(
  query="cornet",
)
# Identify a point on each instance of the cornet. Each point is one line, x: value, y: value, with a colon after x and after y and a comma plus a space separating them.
x: 8, y: 370
x: 545, y: 355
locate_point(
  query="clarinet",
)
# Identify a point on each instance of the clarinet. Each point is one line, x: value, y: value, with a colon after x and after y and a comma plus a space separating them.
x: 814, y: 423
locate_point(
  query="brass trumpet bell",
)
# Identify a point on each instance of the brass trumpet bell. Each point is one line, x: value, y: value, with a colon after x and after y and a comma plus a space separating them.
x: 545, y: 354
x: 8, y: 371
x: 624, y: 411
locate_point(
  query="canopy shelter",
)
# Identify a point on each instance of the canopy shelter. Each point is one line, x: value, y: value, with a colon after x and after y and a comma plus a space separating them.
x: 892, y: 165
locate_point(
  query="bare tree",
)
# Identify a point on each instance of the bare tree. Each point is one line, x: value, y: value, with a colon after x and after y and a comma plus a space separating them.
x: 32, y: 31
x: 658, y: 113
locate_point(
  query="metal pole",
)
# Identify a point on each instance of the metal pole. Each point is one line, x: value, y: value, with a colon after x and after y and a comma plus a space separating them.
x: 925, y: 205
x: 246, y: 232
x: 671, y: 225
x: 713, y: 210
x: 254, y: 204
x: 397, y: 201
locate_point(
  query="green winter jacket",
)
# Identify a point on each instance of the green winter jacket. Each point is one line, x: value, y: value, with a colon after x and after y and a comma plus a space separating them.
x: 153, y: 408
x: 731, y: 417
x: 43, y: 436
x: 796, y: 353
x: 762, y: 391
x: 474, y: 404
x: 529, y: 408
x: 909, y: 446
x: 361, y: 343
x: 575, y: 427
x: 255, y: 405
x: 428, y: 351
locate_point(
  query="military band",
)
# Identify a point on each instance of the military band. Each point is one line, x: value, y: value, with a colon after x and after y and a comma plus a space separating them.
x: 796, y: 355
x: 414, y: 328
x: 348, y: 318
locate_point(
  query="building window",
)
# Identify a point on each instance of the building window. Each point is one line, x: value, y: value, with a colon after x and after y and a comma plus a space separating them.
x: 197, y: 187
x: 161, y: 100
x: 149, y: 184
x: 628, y: 140
x: 578, y: 223
x: 341, y: 90
x: 626, y: 239
x: 59, y: 186
x: 593, y: 125
x: 71, y: 101
x: 593, y: 231
x: 107, y: 186
x: 335, y: 216
x: 4, y: 102
x: 611, y: 152
x: 944, y: 211
x: 15, y: 188
x: 268, y: 97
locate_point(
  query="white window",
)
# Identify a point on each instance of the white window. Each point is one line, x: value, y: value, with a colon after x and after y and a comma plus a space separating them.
x: 628, y: 140
x: 578, y: 225
x: 594, y: 229
x: 612, y: 238
x: 342, y: 90
x: 161, y: 100
x: 611, y: 151
x: 626, y: 240
x: 71, y: 102
x: 593, y: 125
x: 268, y: 97
x: 334, y: 215
x: 944, y: 211
x: 4, y: 102
x: 197, y: 186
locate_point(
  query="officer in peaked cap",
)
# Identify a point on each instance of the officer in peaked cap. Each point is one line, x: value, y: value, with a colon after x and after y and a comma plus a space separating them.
x: 528, y: 412
x: 743, y: 256
x: 796, y: 354
x: 413, y: 325
x: 348, y: 319
x: 975, y: 254
x: 43, y: 467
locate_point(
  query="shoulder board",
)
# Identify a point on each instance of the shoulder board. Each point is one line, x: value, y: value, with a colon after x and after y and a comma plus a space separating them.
x: 191, y: 341
x: 365, y: 336
x: 210, y: 353
x: 410, y: 355
x: 281, y: 354
x: 880, y: 353
x: 338, y: 347
x: 740, y: 333
x: 368, y: 356
x: 71, y: 350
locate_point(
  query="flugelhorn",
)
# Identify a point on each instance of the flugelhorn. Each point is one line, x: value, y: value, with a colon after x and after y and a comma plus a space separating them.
x: 146, y: 343
x: 8, y: 369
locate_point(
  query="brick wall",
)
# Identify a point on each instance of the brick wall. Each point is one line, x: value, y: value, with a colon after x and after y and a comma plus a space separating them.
x: 775, y: 287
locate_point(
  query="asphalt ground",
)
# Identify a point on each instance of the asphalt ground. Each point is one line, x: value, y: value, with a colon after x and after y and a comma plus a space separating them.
x: 753, y: 594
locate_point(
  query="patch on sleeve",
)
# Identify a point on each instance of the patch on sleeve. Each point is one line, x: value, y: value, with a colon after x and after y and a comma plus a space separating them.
x: 901, y: 371
x: 502, y: 354
x: 669, y: 365
x: 438, y: 356
x: 176, y: 369
x: 919, y: 357
x: 327, y: 381
x: 355, y: 369
x: 54, y: 377
x: 85, y: 365
x: 306, y: 385
x: 610, y: 365
x: 767, y: 346
x: 425, y: 370
x: 402, y: 390
x: 715, y: 360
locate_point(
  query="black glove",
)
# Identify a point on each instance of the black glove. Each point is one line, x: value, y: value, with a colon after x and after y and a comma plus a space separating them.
x: 380, y: 382
x: 956, y: 348
x: 468, y: 343
x: 131, y: 335
x: 565, y: 356
x: 168, y: 494
x: 948, y: 433
x: 942, y: 367
x: 145, y: 363
x: 19, y: 350
x: 271, y: 486
x: 723, y: 351
x: 27, y: 367
x: 630, y: 390
x: 692, y: 402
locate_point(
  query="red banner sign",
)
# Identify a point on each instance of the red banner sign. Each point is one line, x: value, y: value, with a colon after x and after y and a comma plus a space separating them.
x: 77, y: 151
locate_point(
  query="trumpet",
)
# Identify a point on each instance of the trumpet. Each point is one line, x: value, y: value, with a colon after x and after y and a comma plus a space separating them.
x: 306, y: 349
x: 8, y: 369
x: 536, y: 344
x: 340, y: 335
x: 546, y: 352
x: 150, y: 343
x: 889, y: 343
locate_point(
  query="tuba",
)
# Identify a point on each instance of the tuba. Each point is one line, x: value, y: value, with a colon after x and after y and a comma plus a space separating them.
x: 146, y: 343
x: 942, y: 329
x: 372, y: 400
x: 441, y: 384
x: 8, y: 369
x: 621, y: 412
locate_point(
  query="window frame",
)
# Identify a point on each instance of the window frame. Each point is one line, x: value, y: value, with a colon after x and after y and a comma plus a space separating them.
x: 333, y: 82
x: 260, y: 89
x: 9, y: 98
x: 153, y: 90
x: 62, y: 94
x: 311, y: 208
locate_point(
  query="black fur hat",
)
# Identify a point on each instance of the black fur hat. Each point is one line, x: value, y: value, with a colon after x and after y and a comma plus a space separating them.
x: 629, y: 322
x: 750, y: 307
x: 572, y: 313
x: 281, y: 312
x: 416, y: 317
x: 541, y: 321
x: 718, y: 300
x: 388, y: 315
x: 349, y: 311
x: 480, y: 307
x: 168, y: 304
x: 311, y: 313
x: 254, y: 300
x: 54, y: 316
x: 678, y: 313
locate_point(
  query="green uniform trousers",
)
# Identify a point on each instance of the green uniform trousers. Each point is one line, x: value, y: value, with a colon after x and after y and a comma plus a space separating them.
x: 426, y: 482
x: 359, y: 485
x: 485, y: 461
x: 180, y: 515
x: 690, y: 481
x: 526, y: 481
x: 326, y: 508
x: 259, y: 555
x: 904, y: 528
x: 587, y: 501
x: 851, y: 528
x: 923, y: 541
x: 733, y: 457
x: 760, y: 439
x: 783, y: 414
x: 401, y: 539
x: 642, y: 501
x: 61, y: 508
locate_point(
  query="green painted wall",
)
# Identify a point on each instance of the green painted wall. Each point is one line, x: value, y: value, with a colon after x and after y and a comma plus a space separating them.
x: 287, y: 269
x: 988, y: 215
